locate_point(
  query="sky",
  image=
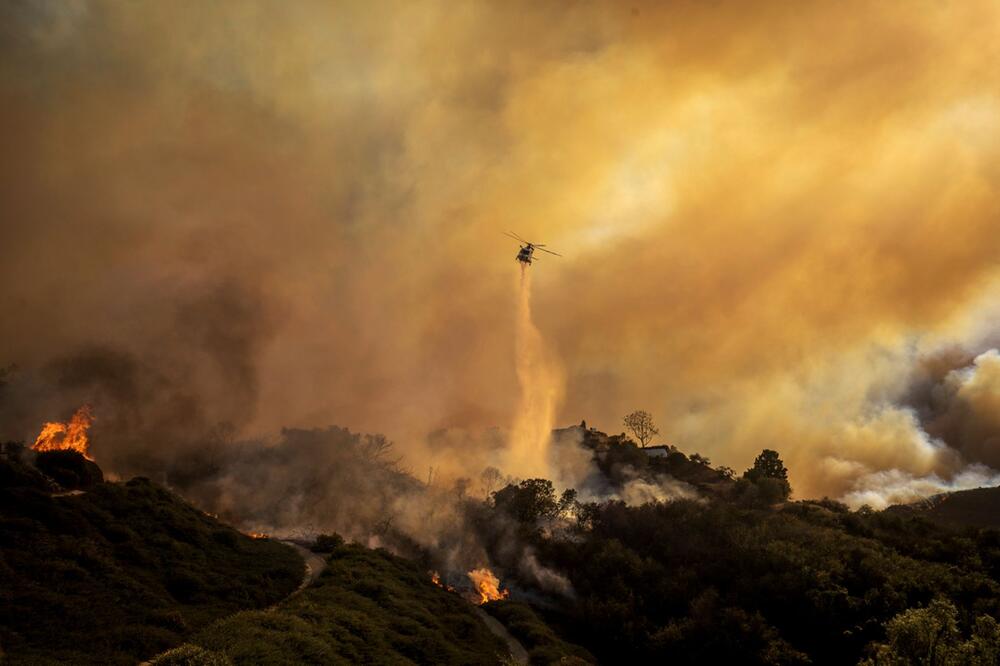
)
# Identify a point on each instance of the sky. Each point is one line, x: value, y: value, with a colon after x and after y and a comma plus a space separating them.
x: 778, y: 220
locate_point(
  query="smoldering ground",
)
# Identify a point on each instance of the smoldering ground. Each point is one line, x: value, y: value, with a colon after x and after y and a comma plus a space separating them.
x: 770, y: 215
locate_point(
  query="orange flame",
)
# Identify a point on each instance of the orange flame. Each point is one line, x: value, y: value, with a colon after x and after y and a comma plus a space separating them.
x: 72, y: 435
x: 436, y: 579
x: 487, y: 585
x: 258, y: 535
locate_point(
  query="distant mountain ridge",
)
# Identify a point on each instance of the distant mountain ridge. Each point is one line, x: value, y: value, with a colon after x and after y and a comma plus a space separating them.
x: 979, y: 507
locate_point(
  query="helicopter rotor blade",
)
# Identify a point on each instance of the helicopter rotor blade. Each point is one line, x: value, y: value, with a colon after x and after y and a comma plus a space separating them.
x: 549, y: 251
x: 511, y: 233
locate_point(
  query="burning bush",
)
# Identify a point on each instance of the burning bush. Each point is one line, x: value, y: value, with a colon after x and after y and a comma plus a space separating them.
x: 487, y: 586
x: 72, y: 435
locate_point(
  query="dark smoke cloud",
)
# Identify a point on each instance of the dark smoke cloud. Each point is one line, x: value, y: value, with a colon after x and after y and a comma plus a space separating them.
x: 162, y: 398
x: 959, y: 403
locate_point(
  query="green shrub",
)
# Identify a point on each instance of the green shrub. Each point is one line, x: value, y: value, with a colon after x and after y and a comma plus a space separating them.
x: 122, y: 572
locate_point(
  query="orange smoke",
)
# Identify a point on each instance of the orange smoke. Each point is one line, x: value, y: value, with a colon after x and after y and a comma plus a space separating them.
x: 72, y: 435
x: 487, y: 585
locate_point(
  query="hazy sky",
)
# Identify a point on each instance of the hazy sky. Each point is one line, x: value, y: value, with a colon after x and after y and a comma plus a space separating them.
x: 780, y: 221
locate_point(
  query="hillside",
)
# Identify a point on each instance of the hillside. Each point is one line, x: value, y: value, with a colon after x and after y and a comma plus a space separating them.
x: 979, y: 507
x: 121, y: 571
x: 738, y: 575
x: 115, y: 573
x: 699, y: 567
x: 367, y: 607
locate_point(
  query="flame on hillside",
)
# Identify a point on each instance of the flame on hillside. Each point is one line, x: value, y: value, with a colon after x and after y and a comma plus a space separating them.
x: 487, y: 585
x: 436, y: 579
x: 71, y: 435
x: 258, y: 535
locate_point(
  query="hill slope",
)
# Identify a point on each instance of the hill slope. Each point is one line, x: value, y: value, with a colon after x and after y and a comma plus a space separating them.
x: 120, y: 572
x: 734, y: 575
x: 979, y: 507
x: 367, y: 607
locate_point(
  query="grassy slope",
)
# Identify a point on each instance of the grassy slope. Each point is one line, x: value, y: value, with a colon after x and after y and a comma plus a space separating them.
x: 367, y: 607
x: 121, y: 572
x: 541, y: 642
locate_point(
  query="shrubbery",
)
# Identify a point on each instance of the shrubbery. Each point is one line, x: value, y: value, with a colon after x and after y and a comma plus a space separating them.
x: 122, y: 571
x: 368, y: 607
x: 744, y: 576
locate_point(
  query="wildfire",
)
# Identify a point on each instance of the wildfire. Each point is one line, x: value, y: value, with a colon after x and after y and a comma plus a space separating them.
x: 258, y: 535
x: 72, y: 435
x: 487, y: 585
x: 436, y: 579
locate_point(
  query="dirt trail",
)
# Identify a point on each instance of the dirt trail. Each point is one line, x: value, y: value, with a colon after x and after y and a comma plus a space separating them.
x: 315, y: 564
x: 517, y: 650
x: 314, y: 567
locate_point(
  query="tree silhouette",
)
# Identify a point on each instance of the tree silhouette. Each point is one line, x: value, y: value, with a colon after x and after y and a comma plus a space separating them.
x: 640, y: 424
x: 490, y: 480
x: 529, y: 501
x: 769, y: 473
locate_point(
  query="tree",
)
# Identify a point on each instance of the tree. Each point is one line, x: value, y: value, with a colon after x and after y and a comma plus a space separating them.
x: 931, y: 636
x: 327, y: 543
x: 490, y: 480
x: 529, y: 501
x: 568, y: 504
x: 640, y: 424
x: 769, y: 473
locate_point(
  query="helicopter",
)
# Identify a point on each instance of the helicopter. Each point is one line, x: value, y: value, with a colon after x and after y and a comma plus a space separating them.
x: 526, y: 254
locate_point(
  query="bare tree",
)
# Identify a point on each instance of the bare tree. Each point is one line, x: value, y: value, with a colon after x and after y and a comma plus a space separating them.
x: 376, y: 449
x: 490, y: 480
x: 640, y: 424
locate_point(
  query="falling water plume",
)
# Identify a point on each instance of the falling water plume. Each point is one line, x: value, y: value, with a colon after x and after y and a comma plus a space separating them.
x: 540, y: 380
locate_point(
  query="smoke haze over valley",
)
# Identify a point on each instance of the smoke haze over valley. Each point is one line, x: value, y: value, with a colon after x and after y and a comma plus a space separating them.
x: 779, y: 230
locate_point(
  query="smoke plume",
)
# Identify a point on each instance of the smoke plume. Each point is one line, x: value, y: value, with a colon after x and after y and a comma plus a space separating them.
x: 222, y: 219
